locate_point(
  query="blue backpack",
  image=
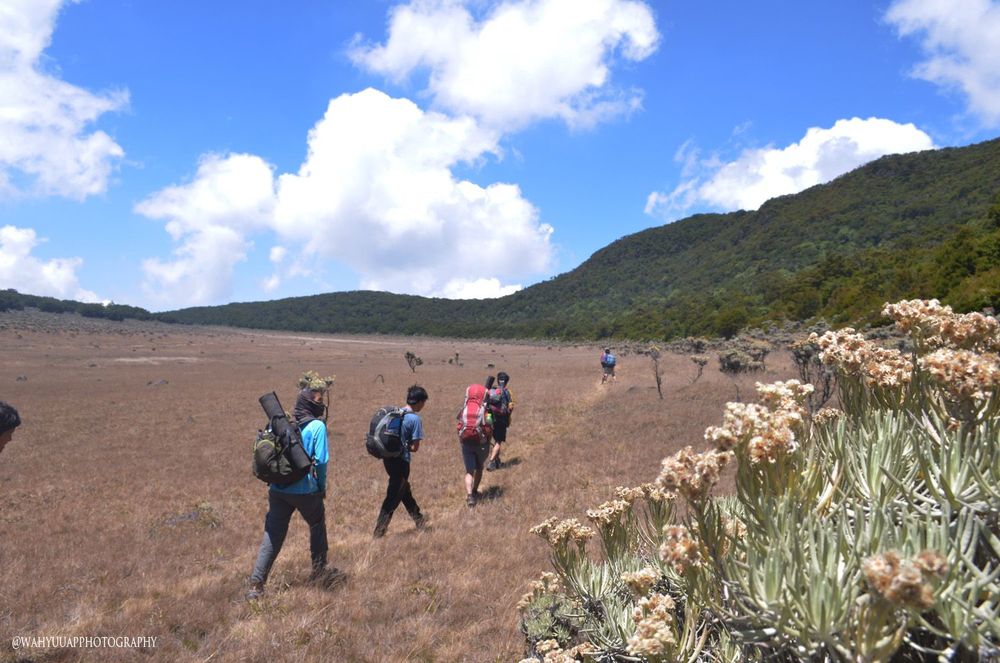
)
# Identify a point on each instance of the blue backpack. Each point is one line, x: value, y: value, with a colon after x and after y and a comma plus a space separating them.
x: 608, y: 359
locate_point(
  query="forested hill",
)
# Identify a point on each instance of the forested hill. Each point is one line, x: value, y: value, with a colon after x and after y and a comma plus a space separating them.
x: 902, y: 226
x: 916, y: 225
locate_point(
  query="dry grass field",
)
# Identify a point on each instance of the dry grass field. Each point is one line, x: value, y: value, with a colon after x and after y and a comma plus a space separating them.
x: 127, y: 506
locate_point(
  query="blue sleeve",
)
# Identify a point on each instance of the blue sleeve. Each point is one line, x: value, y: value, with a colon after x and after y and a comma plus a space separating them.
x: 320, y: 452
x: 413, y: 428
x: 321, y: 476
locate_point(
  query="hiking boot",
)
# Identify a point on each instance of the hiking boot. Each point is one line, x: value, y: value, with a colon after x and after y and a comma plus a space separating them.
x: 419, y: 520
x: 327, y: 577
x: 470, y: 501
x: 255, y: 592
x: 493, y: 465
x: 381, y: 525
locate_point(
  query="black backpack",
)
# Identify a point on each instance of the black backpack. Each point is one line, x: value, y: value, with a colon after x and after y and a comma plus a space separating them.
x: 385, y: 434
x: 278, y: 455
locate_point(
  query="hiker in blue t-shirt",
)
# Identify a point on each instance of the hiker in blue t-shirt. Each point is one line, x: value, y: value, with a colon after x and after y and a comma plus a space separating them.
x: 305, y: 496
x: 608, y: 361
x: 398, y: 489
x: 9, y: 420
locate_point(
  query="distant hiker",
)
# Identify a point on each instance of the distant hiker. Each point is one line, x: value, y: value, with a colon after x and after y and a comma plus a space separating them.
x: 501, y: 404
x: 9, y: 420
x: 474, y: 431
x: 305, y: 495
x: 398, y: 468
x: 608, y: 361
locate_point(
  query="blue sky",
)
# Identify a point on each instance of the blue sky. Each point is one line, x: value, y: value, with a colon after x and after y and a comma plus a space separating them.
x: 168, y: 154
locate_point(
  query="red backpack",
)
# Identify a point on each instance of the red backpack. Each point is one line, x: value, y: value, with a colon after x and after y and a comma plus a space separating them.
x: 475, y: 426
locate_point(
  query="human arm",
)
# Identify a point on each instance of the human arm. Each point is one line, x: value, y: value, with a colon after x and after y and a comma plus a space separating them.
x: 320, y: 454
x: 413, y: 430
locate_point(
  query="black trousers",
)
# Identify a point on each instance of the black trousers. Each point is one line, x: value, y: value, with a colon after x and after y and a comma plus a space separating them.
x: 398, y: 489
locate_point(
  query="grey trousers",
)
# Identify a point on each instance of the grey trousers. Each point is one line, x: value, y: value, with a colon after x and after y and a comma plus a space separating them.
x: 280, y: 507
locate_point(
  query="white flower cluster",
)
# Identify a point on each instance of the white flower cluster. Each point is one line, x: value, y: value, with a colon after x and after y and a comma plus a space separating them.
x: 693, y: 475
x: 768, y: 430
x: 609, y: 513
x: 859, y: 358
x: 681, y: 550
x: 560, y: 532
x: 963, y: 374
x: 641, y: 581
x: 654, y: 631
x: 938, y: 326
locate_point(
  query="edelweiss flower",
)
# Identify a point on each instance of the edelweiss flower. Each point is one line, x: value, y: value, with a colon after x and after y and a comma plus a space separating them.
x: 641, y: 581
x: 964, y: 374
x: 654, y: 630
x: 680, y: 549
x: 784, y: 395
x: 827, y: 414
x: 629, y: 495
x: 608, y: 513
x: 560, y: 532
x: 938, y: 326
x: 691, y: 474
x: 905, y: 582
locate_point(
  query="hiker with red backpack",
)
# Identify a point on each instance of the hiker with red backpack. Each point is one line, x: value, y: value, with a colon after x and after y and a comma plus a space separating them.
x: 501, y: 404
x: 474, y: 430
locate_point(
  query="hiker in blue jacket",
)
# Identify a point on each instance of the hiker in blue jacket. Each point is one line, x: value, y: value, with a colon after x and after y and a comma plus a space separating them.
x: 9, y: 420
x: 305, y: 495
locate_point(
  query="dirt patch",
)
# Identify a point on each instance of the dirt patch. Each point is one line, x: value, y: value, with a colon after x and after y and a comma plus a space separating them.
x: 157, y: 360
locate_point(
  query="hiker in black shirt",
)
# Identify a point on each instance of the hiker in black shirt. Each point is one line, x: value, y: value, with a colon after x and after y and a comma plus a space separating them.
x: 501, y: 404
x: 398, y: 469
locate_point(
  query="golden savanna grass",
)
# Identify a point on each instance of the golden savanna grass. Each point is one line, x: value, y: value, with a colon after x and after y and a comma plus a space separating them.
x: 128, y: 507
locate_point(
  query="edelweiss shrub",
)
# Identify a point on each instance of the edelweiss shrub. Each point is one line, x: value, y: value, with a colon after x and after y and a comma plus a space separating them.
x: 866, y: 533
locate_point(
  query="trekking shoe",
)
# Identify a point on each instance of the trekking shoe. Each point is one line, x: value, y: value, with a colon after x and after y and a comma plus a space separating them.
x: 470, y: 501
x: 255, y: 592
x: 420, y: 521
x: 381, y: 525
x: 493, y: 465
x: 327, y: 577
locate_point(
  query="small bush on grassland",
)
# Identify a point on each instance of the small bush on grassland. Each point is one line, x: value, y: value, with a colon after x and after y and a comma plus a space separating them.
x: 863, y: 534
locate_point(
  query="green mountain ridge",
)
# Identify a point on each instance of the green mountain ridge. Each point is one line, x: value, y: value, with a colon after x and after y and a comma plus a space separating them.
x: 924, y: 224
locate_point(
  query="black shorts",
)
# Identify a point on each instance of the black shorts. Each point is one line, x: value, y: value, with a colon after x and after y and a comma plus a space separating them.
x: 474, y: 455
x: 500, y: 429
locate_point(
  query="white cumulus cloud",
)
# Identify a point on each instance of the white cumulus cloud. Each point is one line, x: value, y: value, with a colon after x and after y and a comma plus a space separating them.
x: 758, y: 175
x: 377, y: 193
x: 477, y: 289
x: 961, y: 44
x: 46, y: 144
x: 211, y: 216
x: 525, y: 60
x: 26, y: 273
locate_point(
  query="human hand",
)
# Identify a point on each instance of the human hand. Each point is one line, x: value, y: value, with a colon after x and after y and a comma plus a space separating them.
x: 414, y: 446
